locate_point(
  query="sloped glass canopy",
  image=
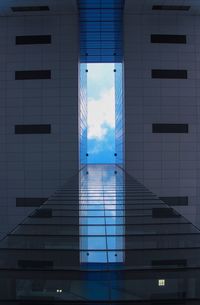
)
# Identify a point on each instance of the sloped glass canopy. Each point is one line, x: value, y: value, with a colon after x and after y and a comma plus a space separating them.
x: 112, y: 242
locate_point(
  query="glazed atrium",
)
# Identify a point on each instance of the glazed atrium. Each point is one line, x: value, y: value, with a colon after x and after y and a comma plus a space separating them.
x: 73, y: 232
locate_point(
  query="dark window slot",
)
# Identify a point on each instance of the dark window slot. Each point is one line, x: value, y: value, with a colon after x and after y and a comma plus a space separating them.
x: 175, y: 200
x: 170, y: 128
x: 29, y: 264
x: 30, y: 8
x: 42, y: 213
x: 32, y: 129
x: 170, y: 262
x: 30, y: 202
x: 157, y: 38
x: 164, y: 213
x: 171, y: 7
x: 174, y: 74
x: 34, y: 74
x: 33, y: 39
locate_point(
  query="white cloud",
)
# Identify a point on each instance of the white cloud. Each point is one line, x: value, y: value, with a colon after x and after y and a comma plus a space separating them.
x: 100, y: 72
x: 101, y: 115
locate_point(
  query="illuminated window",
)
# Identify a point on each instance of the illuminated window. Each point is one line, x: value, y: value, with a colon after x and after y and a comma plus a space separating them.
x: 161, y: 282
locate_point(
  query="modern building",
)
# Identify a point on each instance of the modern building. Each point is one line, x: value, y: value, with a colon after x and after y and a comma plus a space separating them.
x: 39, y: 103
x: 108, y: 243
x: 161, y: 76
x: 75, y: 233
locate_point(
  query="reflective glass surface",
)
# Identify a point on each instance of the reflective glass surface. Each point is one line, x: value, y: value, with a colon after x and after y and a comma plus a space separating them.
x: 101, y: 30
x: 100, y: 185
x: 109, y: 240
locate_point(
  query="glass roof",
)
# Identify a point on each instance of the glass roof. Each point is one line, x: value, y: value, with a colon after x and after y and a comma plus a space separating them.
x: 101, y: 30
x: 102, y: 238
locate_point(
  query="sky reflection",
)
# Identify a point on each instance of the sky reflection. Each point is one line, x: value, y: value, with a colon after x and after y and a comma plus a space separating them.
x: 102, y: 226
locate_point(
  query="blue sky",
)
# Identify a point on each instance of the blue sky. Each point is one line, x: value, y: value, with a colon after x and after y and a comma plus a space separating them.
x: 101, y: 113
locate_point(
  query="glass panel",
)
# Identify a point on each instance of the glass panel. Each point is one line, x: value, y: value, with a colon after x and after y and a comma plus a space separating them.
x: 101, y: 180
x: 92, y: 230
x: 93, y: 243
x: 107, y: 257
x: 93, y: 256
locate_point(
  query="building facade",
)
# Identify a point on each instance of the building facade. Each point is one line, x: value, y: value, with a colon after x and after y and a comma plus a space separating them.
x: 39, y: 104
x: 76, y: 233
x: 161, y: 72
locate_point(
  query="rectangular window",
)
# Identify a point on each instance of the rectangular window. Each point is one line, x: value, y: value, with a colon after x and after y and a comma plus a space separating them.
x: 34, y: 74
x: 157, y: 38
x: 164, y: 213
x: 30, y: 202
x: 171, y: 7
x: 175, y: 200
x: 32, y: 129
x: 29, y: 8
x: 170, y: 128
x: 33, y: 39
x: 170, y: 262
x: 42, y: 213
x: 29, y: 264
x: 177, y: 74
